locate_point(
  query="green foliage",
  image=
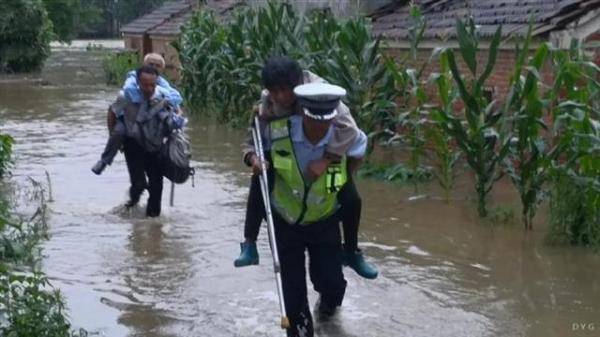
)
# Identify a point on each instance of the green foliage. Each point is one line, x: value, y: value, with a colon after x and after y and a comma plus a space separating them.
x: 474, y: 130
x: 29, y: 305
x: 69, y: 17
x: 445, y: 159
x: 6, y: 143
x: 32, y: 310
x: 116, y: 66
x: 355, y: 63
x: 575, y: 175
x: 222, y: 62
x: 25, y: 34
x: 445, y: 155
x: 530, y: 154
x: 103, y: 18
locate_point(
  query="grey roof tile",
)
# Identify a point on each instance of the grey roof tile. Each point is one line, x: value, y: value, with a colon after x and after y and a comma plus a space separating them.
x: 393, y: 21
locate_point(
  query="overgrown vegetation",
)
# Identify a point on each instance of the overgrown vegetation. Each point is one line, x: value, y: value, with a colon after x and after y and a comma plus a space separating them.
x: 116, y: 66
x: 544, y: 136
x: 29, y: 305
x: 25, y: 35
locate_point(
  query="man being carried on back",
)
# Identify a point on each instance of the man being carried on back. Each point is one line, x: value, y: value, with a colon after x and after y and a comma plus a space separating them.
x: 131, y: 93
x: 280, y: 75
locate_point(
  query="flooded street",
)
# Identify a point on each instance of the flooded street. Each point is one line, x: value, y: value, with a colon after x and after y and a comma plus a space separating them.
x: 442, y: 271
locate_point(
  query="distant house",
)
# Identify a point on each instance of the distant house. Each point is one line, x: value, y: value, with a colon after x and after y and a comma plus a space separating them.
x: 154, y: 32
x: 557, y: 21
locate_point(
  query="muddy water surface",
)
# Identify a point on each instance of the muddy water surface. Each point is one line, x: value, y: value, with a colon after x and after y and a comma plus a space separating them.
x: 443, y: 273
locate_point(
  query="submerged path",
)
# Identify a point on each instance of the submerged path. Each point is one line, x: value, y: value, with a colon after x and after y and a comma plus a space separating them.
x: 442, y: 272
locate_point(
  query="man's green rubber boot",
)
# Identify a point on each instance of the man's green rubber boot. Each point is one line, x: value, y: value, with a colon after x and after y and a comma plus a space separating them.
x: 248, y: 255
x: 355, y: 260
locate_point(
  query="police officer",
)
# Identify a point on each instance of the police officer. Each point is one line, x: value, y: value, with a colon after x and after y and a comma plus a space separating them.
x: 280, y: 75
x: 305, y: 208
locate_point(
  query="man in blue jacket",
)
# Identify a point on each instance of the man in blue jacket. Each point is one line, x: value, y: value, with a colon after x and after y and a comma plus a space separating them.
x: 131, y: 94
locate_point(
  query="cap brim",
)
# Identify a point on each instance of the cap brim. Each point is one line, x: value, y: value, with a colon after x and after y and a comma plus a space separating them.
x: 325, y: 117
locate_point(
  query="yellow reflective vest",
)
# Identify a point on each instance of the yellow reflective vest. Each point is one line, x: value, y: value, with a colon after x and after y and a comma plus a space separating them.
x: 295, y: 199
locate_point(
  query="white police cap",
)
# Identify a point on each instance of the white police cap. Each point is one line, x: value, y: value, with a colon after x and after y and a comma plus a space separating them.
x: 319, y: 100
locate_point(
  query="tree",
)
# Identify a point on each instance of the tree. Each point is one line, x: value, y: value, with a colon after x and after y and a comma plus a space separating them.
x: 112, y: 14
x: 25, y: 34
x: 70, y: 17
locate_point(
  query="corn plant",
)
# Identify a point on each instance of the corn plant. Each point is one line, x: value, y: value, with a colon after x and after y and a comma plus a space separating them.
x: 356, y: 63
x: 444, y: 153
x: 200, y: 42
x: 475, y: 131
x: 321, y: 29
x: 222, y: 62
x: 575, y: 176
x: 410, y: 94
x: 530, y: 153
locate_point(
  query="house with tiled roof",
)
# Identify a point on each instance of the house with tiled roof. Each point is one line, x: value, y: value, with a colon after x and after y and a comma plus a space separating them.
x: 555, y: 21
x: 155, y: 32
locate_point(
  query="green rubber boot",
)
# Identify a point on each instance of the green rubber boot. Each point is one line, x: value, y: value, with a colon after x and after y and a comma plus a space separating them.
x: 355, y: 260
x: 248, y: 255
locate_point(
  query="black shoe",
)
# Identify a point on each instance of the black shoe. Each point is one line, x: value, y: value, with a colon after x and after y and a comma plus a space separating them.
x: 99, y: 167
x: 129, y: 204
x: 324, y: 309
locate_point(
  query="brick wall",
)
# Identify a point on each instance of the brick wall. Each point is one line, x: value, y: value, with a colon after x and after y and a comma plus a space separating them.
x: 162, y: 46
x: 133, y: 43
x: 497, y: 82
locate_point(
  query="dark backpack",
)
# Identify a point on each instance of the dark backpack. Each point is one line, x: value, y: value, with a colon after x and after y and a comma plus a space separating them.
x: 175, y: 158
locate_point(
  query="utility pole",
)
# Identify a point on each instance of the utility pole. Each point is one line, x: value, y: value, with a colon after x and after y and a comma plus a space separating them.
x: 115, y: 22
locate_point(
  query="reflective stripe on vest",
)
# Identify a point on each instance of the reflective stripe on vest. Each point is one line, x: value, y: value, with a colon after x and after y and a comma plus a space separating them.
x: 295, y: 200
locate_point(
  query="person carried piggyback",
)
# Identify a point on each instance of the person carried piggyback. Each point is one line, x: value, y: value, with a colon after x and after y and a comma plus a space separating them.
x: 125, y: 111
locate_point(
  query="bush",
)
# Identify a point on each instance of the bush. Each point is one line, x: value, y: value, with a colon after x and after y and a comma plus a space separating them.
x: 25, y: 35
x: 116, y: 66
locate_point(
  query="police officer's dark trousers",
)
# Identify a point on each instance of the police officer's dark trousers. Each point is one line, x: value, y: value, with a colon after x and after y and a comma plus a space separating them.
x: 142, y: 164
x: 322, y: 241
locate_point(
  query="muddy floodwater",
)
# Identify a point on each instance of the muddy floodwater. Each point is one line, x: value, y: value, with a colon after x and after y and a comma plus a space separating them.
x: 442, y: 271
